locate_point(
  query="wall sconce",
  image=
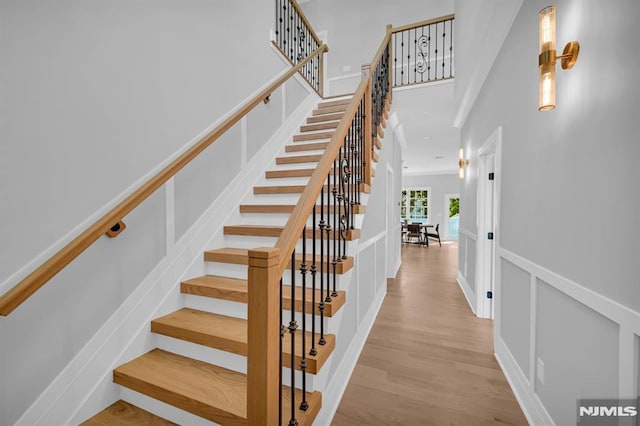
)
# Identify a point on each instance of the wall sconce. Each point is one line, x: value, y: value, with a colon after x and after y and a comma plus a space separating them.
x: 462, y: 163
x: 547, y: 58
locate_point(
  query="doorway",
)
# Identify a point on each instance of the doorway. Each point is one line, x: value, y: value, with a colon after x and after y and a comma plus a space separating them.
x: 487, y: 292
x: 452, y: 216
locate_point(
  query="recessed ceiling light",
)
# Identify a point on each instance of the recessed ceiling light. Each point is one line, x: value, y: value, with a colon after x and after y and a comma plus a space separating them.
x: 439, y: 157
x: 426, y: 137
x: 405, y: 167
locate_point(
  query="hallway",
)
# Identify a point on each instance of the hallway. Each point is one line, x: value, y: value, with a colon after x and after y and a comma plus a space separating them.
x: 428, y: 359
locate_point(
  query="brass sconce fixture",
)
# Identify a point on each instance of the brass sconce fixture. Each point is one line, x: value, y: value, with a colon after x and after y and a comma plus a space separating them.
x: 462, y: 163
x: 547, y: 58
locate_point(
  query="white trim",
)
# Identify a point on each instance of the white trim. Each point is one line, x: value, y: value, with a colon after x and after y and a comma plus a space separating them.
x: 532, y: 407
x: 486, y: 249
x: 466, y: 290
x: 603, y: 305
x: 627, y: 319
x: 533, y: 294
x: 371, y: 241
x: 127, y: 327
x: 424, y: 84
x: 468, y: 234
x: 332, y: 395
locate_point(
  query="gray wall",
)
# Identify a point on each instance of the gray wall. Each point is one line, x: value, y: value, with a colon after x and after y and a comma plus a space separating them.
x: 569, y: 198
x: 440, y: 185
x: 94, y: 96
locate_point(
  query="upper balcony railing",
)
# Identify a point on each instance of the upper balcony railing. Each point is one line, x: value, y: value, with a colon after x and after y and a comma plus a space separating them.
x: 296, y: 39
x: 423, y: 52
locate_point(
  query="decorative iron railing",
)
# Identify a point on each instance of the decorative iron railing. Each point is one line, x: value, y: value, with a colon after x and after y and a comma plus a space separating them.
x: 423, y: 52
x: 296, y: 39
x: 313, y: 246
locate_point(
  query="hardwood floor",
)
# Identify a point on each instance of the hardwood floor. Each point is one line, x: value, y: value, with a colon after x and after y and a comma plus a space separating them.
x: 428, y: 359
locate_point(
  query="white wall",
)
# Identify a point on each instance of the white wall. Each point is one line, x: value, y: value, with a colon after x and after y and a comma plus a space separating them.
x: 94, y: 97
x: 567, y: 241
x: 353, y: 40
x: 439, y: 185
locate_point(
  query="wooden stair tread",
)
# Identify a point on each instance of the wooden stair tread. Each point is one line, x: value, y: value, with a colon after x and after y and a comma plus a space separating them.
x: 319, y: 146
x: 234, y: 289
x: 230, y: 334
x: 330, y: 109
x: 206, y: 390
x: 313, y: 136
x: 296, y: 189
x: 278, y: 174
x: 287, y: 209
x: 326, y: 104
x: 324, y: 118
x: 121, y: 413
x: 294, y: 159
x: 325, y: 125
x: 241, y: 257
x: 276, y: 231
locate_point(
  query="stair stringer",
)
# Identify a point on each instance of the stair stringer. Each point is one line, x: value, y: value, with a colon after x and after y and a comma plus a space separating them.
x: 85, y: 386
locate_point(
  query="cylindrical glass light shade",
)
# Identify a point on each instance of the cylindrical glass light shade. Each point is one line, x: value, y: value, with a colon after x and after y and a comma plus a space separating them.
x: 547, y: 17
x: 547, y: 88
x: 547, y: 60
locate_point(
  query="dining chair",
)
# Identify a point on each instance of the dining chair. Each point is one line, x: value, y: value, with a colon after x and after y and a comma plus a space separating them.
x: 413, y: 231
x: 435, y: 235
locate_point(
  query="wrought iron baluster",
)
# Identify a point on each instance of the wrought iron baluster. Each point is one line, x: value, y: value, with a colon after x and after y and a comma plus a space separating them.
x: 293, y: 326
x: 429, y: 57
x: 444, y: 34
x: 304, y: 405
x: 327, y: 298
x: 336, y: 227
x: 314, y: 271
x: 321, y: 306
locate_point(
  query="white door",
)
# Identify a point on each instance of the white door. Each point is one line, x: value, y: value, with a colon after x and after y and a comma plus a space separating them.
x: 488, y: 224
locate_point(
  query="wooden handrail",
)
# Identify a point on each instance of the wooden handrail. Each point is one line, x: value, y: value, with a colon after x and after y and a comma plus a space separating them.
x: 296, y: 6
x: 298, y: 218
x: 36, y: 279
x: 423, y: 23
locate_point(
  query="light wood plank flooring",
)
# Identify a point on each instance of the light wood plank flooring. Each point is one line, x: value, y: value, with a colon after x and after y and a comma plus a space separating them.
x: 428, y: 359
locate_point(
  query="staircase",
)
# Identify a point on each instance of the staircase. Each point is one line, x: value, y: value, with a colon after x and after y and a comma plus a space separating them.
x: 215, y: 304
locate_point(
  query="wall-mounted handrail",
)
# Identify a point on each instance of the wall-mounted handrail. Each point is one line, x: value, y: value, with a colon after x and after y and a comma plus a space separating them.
x: 43, y: 273
x: 298, y: 218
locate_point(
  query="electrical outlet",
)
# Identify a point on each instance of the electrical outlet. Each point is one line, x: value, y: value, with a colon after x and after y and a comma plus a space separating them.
x: 540, y: 371
x: 346, y: 68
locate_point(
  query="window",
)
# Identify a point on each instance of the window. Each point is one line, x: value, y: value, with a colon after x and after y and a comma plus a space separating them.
x: 415, y: 205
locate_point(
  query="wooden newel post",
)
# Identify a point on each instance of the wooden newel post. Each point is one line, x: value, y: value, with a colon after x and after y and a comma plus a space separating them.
x: 263, y: 337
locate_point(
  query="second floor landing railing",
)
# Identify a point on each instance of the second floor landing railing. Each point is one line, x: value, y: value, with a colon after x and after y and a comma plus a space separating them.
x: 296, y: 39
x: 423, y: 52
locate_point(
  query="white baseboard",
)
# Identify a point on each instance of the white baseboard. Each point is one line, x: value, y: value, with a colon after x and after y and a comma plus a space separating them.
x: 85, y: 383
x: 531, y: 405
x: 466, y: 290
x: 332, y: 395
